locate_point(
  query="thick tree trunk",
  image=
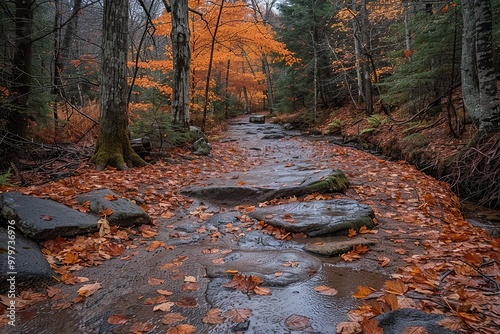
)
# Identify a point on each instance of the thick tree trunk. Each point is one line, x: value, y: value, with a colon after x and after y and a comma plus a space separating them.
x: 180, y: 36
x: 113, y: 145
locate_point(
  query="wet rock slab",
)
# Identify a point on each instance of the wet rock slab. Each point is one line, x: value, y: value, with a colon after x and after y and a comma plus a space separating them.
x: 125, y: 212
x: 317, y: 217
x: 40, y: 218
x: 294, y: 266
x: 301, y: 184
x: 30, y: 267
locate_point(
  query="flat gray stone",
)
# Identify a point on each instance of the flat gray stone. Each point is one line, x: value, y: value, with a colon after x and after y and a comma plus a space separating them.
x: 125, y: 213
x: 295, y: 266
x: 303, y: 183
x: 41, y: 218
x: 29, y: 269
x: 337, y: 246
x: 317, y: 217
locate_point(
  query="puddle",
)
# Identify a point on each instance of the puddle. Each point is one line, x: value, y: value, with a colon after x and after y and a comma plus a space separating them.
x: 270, y: 313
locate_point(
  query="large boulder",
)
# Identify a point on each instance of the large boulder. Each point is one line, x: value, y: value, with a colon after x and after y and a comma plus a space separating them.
x: 125, y: 213
x: 40, y: 218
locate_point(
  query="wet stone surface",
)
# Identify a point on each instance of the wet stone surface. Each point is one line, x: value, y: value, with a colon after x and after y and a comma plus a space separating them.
x: 290, y: 272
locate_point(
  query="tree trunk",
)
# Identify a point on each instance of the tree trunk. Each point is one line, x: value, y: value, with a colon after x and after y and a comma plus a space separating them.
x: 470, y: 84
x: 113, y: 145
x: 209, y: 70
x: 365, y: 63
x: 18, y: 114
x: 182, y: 60
x: 488, y: 94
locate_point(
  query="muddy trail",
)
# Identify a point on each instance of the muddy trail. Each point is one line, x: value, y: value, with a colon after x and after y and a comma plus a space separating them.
x: 196, y: 270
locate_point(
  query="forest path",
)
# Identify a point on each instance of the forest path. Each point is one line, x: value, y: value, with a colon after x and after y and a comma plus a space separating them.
x: 172, y: 276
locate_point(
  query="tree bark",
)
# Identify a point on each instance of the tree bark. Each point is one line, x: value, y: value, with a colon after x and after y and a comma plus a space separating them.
x: 470, y: 84
x: 17, y: 115
x: 113, y: 145
x: 180, y: 36
x: 488, y: 94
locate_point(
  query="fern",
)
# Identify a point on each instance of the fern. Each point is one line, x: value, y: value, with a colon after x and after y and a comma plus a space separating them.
x: 4, y: 178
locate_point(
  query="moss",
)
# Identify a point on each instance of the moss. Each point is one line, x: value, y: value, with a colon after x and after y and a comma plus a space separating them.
x: 115, y: 153
x: 336, y: 181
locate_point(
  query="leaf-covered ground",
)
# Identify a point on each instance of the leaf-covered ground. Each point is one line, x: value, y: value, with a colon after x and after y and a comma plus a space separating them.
x: 437, y: 261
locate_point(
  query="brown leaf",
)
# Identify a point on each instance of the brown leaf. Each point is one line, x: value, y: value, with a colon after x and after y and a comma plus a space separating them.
x: 383, y: 260
x: 352, y: 233
x: 164, y: 292
x: 182, y: 329
x: 325, y: 290
x: 51, y: 291
x: 396, y: 287
x: 392, y: 301
x: 214, y: 317
x: 190, y: 286
x: 362, y: 292
x: 238, y: 314
x: 370, y: 326
x: 111, y: 197
x: 117, y: 319
x: 155, y: 281
x: 89, y: 289
x: 298, y: 323
x: 415, y: 330
x: 262, y: 291
x: 147, y: 231
x: 187, y: 302
x: 350, y: 256
x: 166, y: 306
x: 348, y: 328
x: 106, y: 212
x: 155, y: 300
x: 172, y: 318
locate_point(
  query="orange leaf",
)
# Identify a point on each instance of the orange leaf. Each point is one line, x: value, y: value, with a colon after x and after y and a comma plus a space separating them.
x: 106, y: 212
x: 352, y: 233
x: 172, y: 318
x: 117, y: 319
x: 325, y: 290
x: 182, y: 329
x: 370, y: 326
x: 396, y: 287
x: 362, y: 292
x: 214, y: 317
x: 111, y: 197
x: 238, y: 314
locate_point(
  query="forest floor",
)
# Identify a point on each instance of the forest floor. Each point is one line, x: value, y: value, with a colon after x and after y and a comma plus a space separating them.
x: 436, y: 260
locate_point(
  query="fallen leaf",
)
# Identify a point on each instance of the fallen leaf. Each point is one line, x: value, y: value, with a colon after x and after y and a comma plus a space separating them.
x: 238, y: 314
x: 117, y: 319
x: 415, y: 330
x: 383, y: 260
x: 163, y: 306
x: 46, y: 218
x: 103, y: 226
x: 370, y: 326
x: 348, y: 328
x: 172, y: 318
x: 106, y: 212
x: 352, y: 233
x: 262, y: 291
x: 155, y: 281
x: 297, y: 322
x: 164, y: 292
x: 397, y: 287
x: 182, y: 329
x: 51, y: 291
x: 111, y: 197
x: 214, y: 317
x: 325, y: 290
x: 187, y: 302
x: 190, y: 286
x: 89, y: 289
x: 362, y: 292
